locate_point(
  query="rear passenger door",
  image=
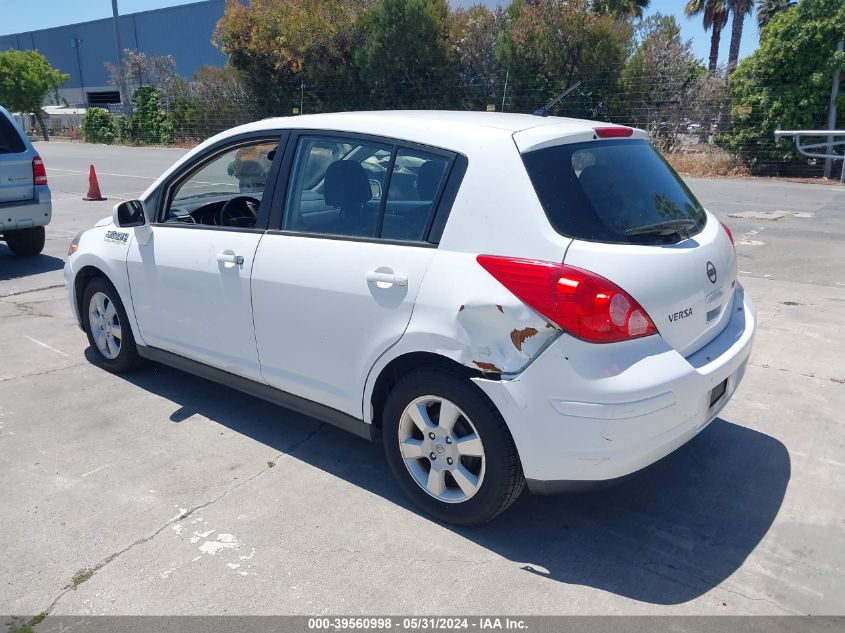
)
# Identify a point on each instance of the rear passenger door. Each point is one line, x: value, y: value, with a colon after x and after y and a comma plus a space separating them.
x: 334, y: 281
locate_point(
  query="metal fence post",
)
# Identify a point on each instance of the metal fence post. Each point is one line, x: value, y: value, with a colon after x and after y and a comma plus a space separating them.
x: 831, y: 117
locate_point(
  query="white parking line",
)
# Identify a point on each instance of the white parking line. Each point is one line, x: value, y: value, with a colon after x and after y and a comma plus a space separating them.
x: 96, y: 470
x: 100, y: 173
x: 44, y: 345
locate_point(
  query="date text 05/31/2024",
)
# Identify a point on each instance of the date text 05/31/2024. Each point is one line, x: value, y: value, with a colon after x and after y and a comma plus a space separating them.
x: 416, y: 623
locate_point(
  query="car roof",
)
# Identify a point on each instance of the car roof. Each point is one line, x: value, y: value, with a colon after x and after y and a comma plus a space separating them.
x: 449, y: 129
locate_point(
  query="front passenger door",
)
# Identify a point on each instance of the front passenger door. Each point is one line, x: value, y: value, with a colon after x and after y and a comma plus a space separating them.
x: 190, y: 282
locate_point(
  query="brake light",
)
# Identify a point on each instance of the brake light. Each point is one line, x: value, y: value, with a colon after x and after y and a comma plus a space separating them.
x: 39, y: 172
x: 730, y: 235
x: 613, y: 132
x: 582, y: 303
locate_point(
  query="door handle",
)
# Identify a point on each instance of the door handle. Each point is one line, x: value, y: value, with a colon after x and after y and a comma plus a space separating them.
x: 392, y: 279
x: 230, y: 258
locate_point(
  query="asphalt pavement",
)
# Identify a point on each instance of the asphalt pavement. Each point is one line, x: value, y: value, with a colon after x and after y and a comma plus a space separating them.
x: 158, y: 492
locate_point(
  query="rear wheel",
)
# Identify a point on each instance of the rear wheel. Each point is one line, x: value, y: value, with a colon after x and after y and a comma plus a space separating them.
x: 449, y: 447
x: 107, y: 327
x: 25, y: 242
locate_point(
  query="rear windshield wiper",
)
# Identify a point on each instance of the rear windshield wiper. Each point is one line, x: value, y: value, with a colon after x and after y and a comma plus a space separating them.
x: 681, y: 227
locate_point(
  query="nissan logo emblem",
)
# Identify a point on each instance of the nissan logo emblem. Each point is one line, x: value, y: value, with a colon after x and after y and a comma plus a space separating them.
x: 711, y: 272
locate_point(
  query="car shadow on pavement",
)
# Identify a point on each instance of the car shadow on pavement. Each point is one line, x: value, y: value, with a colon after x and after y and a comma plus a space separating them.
x: 666, y: 535
x: 14, y: 267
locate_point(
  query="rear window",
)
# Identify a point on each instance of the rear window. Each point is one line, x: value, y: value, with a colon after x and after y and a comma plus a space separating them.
x: 600, y: 190
x: 10, y: 138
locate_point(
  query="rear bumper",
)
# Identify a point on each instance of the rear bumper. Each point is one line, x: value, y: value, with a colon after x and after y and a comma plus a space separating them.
x: 592, y: 413
x: 26, y: 214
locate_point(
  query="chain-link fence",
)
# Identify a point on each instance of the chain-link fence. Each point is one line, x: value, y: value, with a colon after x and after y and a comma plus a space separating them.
x: 694, y: 123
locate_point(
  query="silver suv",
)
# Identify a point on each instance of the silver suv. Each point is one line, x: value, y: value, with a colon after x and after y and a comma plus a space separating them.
x: 25, y: 204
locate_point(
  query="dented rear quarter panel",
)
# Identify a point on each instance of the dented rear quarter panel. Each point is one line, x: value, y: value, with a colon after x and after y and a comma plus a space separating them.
x: 461, y: 311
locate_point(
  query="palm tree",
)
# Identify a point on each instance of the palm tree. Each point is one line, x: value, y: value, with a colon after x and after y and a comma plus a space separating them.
x: 715, y: 17
x: 740, y: 9
x: 638, y: 6
x: 767, y: 9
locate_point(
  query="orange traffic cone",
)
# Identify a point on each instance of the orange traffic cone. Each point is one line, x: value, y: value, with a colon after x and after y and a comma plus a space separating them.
x: 93, y: 186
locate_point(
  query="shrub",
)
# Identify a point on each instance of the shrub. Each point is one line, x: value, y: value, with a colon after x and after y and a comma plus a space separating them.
x: 98, y: 126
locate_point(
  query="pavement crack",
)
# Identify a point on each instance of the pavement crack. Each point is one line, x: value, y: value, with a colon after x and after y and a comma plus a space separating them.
x: 761, y: 599
x: 837, y: 381
x: 23, y: 292
x: 42, y: 373
x: 88, y: 572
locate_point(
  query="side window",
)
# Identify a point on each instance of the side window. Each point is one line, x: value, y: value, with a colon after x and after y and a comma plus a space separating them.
x: 336, y: 186
x: 226, y: 191
x: 415, y: 183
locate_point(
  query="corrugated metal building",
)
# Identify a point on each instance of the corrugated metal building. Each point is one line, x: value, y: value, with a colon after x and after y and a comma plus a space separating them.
x: 81, y: 50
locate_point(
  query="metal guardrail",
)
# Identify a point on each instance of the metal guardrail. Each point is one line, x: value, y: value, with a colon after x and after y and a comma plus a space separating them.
x: 829, y: 144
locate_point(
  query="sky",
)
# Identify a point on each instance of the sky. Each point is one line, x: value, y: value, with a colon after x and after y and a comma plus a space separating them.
x: 17, y: 18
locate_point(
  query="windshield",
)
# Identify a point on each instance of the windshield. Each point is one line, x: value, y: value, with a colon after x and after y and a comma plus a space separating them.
x: 603, y: 191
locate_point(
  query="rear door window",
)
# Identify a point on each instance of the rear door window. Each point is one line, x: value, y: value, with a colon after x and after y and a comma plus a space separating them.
x: 610, y: 190
x: 365, y: 189
x: 415, y: 183
x: 10, y: 138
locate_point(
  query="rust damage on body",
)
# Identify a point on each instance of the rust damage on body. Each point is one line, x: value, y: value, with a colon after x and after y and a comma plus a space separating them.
x: 518, y: 336
x: 500, y: 338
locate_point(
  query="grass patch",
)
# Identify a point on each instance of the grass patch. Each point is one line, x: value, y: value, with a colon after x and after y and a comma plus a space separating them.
x: 707, y: 163
x: 27, y: 626
x: 81, y: 576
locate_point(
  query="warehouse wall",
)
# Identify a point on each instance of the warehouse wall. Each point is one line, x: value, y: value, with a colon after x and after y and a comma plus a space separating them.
x: 81, y: 50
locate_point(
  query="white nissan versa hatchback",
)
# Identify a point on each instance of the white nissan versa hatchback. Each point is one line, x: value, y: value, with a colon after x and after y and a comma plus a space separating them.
x: 498, y: 298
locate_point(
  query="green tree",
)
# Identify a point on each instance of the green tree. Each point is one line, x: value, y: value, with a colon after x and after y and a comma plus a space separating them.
x: 283, y: 46
x: 622, y: 7
x: 551, y: 44
x: 767, y: 9
x: 98, y: 126
x: 662, y: 80
x: 404, y: 54
x: 26, y: 78
x: 785, y: 83
x: 475, y: 34
x: 714, y: 15
x: 148, y: 124
x: 740, y: 9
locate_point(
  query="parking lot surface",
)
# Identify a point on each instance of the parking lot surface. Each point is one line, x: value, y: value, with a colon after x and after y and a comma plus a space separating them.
x: 157, y: 492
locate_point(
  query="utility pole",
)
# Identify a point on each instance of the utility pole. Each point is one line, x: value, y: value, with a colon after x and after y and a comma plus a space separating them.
x: 831, y: 118
x: 119, y: 50
x: 76, y: 43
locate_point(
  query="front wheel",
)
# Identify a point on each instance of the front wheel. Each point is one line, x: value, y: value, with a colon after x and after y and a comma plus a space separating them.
x: 107, y: 327
x: 449, y: 448
x: 26, y: 242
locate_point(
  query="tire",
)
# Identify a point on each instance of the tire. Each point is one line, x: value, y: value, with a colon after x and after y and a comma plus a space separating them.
x: 25, y: 242
x: 114, y: 346
x: 417, y: 402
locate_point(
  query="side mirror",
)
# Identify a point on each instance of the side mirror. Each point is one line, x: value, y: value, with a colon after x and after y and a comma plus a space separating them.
x: 129, y: 213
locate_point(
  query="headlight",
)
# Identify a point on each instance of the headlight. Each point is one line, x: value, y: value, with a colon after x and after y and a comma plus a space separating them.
x: 74, y: 244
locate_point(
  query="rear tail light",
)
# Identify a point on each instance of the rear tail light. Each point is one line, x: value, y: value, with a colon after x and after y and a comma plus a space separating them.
x: 582, y: 303
x: 39, y: 173
x: 730, y: 235
x: 613, y: 132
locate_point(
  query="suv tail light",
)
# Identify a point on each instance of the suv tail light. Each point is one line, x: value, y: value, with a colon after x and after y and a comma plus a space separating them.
x: 730, y: 235
x: 583, y: 303
x: 39, y: 173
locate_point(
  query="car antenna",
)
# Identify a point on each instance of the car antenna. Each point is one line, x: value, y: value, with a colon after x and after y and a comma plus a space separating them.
x: 544, y: 111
